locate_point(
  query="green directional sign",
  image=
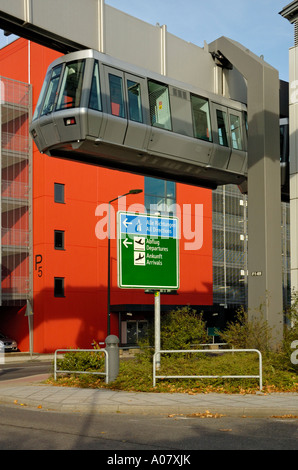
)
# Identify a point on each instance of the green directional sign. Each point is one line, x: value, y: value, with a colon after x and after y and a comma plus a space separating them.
x: 148, y: 251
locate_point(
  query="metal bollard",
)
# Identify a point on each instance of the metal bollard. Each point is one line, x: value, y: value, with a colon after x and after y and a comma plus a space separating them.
x: 2, y: 352
x: 113, y: 357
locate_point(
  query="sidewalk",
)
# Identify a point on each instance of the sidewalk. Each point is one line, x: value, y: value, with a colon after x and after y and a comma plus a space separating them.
x: 31, y: 392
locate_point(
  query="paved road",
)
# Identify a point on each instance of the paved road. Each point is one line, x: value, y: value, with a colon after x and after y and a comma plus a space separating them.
x: 38, y: 416
x: 32, y: 392
x: 17, y: 370
x: 26, y: 429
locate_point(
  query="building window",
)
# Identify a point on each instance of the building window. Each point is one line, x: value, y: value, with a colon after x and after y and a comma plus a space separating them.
x: 59, y: 239
x: 160, y: 196
x: 133, y: 331
x: 160, y: 113
x: 59, y: 193
x: 58, y: 286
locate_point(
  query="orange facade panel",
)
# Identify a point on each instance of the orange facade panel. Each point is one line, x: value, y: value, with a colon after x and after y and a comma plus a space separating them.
x: 80, y: 263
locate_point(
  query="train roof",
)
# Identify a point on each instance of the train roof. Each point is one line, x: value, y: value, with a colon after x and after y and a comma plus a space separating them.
x: 139, y: 71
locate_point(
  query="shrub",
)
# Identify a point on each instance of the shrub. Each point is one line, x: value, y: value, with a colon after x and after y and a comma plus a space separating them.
x: 179, y: 329
x: 290, y: 332
x: 81, y: 361
x: 245, y: 333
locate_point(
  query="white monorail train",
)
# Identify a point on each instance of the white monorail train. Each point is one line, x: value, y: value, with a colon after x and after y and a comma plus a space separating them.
x: 99, y: 110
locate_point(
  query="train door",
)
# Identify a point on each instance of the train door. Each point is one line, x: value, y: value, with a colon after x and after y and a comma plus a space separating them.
x: 116, y: 125
x: 137, y: 134
x: 126, y: 106
x: 222, y: 152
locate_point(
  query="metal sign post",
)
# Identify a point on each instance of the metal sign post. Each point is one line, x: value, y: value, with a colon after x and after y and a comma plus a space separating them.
x: 148, y: 257
x: 29, y: 314
x: 157, y: 326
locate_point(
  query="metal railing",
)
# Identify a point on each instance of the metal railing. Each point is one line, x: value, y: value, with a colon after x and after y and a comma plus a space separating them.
x: 212, y: 351
x: 60, y: 371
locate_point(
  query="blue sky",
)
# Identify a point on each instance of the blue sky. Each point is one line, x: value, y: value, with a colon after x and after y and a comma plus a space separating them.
x: 254, y: 23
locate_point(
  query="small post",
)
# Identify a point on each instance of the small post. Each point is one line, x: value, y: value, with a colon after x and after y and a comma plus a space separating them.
x: 157, y: 326
x: 112, y: 349
x: 29, y: 314
x: 2, y: 352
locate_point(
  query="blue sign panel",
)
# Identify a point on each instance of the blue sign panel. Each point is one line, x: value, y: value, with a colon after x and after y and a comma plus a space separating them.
x: 149, y: 225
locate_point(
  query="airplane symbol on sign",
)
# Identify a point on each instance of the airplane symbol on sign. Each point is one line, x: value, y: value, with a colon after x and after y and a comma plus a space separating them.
x: 139, y: 258
x: 139, y: 243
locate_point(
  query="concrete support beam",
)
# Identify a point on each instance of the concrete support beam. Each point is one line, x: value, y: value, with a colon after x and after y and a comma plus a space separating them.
x: 290, y: 13
x: 293, y: 119
x: 264, y: 195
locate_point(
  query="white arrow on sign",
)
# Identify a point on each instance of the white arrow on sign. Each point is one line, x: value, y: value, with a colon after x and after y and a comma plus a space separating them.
x: 126, y: 223
x: 126, y: 243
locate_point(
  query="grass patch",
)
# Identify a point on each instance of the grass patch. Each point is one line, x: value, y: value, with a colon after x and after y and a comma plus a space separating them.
x: 135, y: 375
x: 179, y: 330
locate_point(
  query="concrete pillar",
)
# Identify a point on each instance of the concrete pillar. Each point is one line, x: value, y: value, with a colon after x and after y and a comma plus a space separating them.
x: 290, y: 13
x: 264, y: 184
x: 293, y: 120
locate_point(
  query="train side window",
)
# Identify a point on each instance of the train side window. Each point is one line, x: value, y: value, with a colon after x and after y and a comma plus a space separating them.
x: 235, y: 126
x: 71, y: 88
x: 160, y: 113
x: 42, y: 93
x: 222, y: 127
x: 50, y: 98
x: 201, y: 118
x: 95, y: 94
x: 134, y: 101
x: 116, y: 96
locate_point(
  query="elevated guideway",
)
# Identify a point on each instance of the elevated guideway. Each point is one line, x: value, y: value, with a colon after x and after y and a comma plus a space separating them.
x: 44, y: 22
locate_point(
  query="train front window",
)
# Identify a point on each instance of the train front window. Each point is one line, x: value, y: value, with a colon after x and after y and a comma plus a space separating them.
x: 160, y: 113
x: 116, y: 96
x: 222, y: 127
x: 71, y: 88
x: 201, y: 118
x: 51, y: 92
x: 95, y: 95
x: 134, y: 101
